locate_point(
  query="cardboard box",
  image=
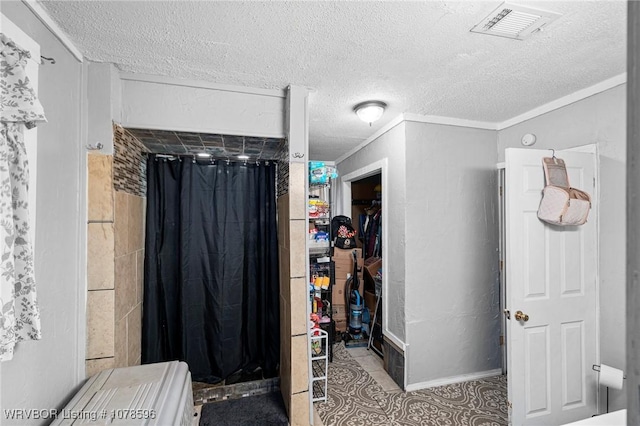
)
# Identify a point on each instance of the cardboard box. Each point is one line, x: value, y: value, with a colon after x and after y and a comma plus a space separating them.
x: 370, y: 302
x: 339, y: 311
x: 342, y: 254
x: 372, y: 265
x: 342, y: 276
x: 341, y: 325
x: 337, y: 292
x: 343, y: 260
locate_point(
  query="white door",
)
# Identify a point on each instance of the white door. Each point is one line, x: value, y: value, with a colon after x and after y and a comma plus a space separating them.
x: 551, y: 277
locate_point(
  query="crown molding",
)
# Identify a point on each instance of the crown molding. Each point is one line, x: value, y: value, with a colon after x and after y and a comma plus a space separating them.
x: 564, y: 101
x: 449, y: 121
x: 418, y: 118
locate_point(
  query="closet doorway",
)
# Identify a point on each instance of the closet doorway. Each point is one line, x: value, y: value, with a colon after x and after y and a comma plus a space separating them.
x: 363, y: 198
x: 366, y: 215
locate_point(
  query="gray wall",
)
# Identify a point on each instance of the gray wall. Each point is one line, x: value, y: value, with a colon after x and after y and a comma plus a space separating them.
x: 599, y: 119
x: 452, y: 287
x: 441, y: 267
x: 390, y: 145
x: 103, y: 104
x: 43, y: 374
x: 443, y: 294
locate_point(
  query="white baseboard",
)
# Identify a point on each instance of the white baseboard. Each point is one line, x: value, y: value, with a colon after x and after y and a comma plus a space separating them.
x: 455, y: 379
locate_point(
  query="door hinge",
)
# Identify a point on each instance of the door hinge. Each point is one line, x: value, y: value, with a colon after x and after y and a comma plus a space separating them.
x: 501, y: 265
x: 501, y: 191
x: 501, y: 340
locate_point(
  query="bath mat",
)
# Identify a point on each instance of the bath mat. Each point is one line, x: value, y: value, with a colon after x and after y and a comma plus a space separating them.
x: 267, y: 409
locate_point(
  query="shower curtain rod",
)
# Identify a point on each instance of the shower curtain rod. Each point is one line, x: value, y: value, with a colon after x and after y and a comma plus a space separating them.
x: 211, y: 159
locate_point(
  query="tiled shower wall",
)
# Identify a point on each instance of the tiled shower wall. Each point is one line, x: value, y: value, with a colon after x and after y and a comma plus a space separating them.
x: 100, y: 266
x: 282, y: 158
x: 129, y: 179
x: 292, y: 236
x: 130, y: 166
x: 115, y: 256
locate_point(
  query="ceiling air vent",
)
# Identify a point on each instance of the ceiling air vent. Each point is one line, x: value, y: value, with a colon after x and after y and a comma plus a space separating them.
x: 514, y: 21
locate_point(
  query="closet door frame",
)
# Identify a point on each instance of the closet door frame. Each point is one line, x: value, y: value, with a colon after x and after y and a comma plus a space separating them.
x: 344, y: 204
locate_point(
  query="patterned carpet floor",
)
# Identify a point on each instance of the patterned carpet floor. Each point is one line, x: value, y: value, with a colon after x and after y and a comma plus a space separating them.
x: 355, y: 399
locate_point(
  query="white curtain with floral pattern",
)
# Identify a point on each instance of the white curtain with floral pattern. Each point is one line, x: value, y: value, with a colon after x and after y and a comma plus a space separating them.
x: 19, y: 314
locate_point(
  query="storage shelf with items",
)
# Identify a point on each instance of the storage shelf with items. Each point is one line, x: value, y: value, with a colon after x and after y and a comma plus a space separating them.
x: 319, y: 364
x: 319, y: 221
x: 321, y: 268
x: 320, y: 290
x: 321, y: 278
x: 319, y: 238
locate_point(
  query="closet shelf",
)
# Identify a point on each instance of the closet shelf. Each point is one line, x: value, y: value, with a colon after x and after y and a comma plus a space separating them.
x: 320, y: 265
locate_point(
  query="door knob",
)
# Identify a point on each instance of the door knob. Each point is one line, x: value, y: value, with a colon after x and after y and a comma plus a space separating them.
x: 519, y: 316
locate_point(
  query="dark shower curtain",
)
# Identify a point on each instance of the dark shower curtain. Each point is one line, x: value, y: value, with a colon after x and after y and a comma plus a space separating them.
x: 211, y: 267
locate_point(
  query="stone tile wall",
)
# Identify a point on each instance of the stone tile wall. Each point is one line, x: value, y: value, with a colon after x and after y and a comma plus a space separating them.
x: 100, y: 267
x: 292, y: 235
x: 115, y: 255
x: 129, y: 163
x: 282, y: 157
x: 129, y: 267
x: 130, y: 185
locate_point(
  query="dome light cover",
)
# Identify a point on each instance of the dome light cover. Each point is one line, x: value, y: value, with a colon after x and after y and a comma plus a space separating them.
x: 370, y: 111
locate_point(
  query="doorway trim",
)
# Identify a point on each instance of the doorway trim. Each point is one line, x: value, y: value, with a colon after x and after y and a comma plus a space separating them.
x: 380, y: 166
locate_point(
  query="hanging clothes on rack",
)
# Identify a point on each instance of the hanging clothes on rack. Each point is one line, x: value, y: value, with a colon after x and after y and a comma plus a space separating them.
x: 363, y: 221
x: 373, y: 241
x: 367, y: 225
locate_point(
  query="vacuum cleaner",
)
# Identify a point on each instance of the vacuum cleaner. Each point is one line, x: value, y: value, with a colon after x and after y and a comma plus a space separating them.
x: 355, y: 302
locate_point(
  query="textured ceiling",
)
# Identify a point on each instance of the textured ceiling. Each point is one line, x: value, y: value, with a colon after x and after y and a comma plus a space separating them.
x: 418, y: 57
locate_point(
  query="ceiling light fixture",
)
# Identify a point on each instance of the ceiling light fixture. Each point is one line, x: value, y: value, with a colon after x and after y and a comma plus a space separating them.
x: 243, y: 156
x: 204, y: 154
x: 370, y: 111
